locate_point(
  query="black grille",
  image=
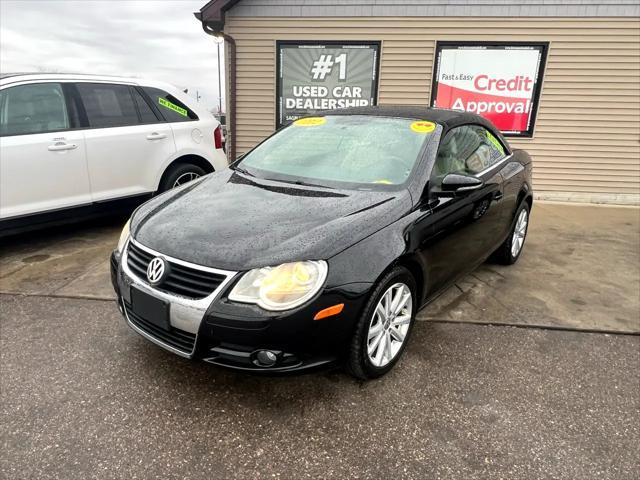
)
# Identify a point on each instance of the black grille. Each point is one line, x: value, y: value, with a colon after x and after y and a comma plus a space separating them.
x: 178, y: 339
x: 184, y: 281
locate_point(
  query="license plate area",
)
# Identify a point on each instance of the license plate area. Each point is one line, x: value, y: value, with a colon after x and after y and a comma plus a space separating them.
x: 149, y: 308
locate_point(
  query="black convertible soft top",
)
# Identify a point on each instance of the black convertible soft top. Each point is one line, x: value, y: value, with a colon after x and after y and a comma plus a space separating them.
x: 447, y: 118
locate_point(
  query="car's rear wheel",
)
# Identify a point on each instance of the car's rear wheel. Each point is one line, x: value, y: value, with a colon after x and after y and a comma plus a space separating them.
x: 509, y: 252
x: 179, y: 175
x: 383, y: 329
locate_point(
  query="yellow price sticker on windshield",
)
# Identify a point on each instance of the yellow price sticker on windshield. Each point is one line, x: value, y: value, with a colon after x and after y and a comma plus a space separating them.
x: 423, y: 127
x: 310, y: 121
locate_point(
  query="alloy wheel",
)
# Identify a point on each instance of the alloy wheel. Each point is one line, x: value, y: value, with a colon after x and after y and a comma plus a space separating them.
x: 389, y: 325
x: 519, y: 232
x: 185, y: 178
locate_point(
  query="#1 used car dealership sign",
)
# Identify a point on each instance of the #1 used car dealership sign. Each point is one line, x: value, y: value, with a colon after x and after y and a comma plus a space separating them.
x: 501, y: 82
x: 325, y: 76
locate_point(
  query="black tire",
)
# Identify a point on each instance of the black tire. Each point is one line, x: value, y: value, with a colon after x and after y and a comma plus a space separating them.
x: 172, y: 175
x: 503, y: 255
x: 358, y: 364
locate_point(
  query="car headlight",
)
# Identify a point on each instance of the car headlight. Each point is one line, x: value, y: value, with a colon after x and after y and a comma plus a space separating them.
x: 124, y: 236
x: 281, y: 288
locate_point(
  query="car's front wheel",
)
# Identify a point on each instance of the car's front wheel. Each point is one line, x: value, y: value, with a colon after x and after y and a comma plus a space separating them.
x: 383, y: 329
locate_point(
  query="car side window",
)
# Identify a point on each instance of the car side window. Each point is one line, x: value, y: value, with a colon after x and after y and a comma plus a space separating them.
x: 108, y: 105
x: 172, y: 109
x: 467, y: 150
x: 33, y: 108
x: 147, y: 115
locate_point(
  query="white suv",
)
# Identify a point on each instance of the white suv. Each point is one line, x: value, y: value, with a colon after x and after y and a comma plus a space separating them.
x: 72, y: 145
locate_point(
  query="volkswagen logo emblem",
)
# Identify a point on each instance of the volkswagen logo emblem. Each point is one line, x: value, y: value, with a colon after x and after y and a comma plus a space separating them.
x: 157, y: 270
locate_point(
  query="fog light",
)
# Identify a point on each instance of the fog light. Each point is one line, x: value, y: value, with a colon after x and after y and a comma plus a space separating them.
x: 266, y: 358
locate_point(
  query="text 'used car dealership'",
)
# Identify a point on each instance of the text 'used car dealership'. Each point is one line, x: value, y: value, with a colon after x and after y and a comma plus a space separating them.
x: 562, y: 79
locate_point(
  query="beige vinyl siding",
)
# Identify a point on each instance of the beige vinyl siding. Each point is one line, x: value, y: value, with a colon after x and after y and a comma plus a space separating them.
x: 587, y: 136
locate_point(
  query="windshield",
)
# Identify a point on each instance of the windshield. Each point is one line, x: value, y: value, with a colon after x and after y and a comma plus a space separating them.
x: 343, y: 151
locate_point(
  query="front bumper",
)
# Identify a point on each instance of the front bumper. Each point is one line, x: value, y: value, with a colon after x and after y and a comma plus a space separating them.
x: 232, y: 335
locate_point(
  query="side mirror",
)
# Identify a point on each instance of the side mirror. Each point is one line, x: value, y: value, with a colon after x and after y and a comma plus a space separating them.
x: 455, y: 182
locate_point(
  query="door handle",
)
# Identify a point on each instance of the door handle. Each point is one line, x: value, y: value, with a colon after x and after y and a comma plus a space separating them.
x: 61, y: 146
x: 498, y: 196
x: 156, y: 136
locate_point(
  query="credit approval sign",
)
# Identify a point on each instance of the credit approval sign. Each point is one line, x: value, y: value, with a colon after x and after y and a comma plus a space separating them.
x: 499, y: 81
x: 324, y: 75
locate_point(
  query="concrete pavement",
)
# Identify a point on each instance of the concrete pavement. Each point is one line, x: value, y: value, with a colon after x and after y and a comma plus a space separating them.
x: 580, y: 269
x: 71, y: 260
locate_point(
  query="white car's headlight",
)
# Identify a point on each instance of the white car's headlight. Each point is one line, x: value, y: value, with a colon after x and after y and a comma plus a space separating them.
x: 124, y: 236
x: 281, y: 288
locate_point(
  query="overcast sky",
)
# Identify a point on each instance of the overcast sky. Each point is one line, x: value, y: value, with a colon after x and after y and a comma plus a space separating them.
x: 159, y: 39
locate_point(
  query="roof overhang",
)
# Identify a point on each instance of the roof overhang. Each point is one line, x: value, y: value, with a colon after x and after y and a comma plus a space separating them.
x: 212, y: 14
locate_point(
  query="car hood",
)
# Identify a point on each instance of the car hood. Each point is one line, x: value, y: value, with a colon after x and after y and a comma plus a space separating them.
x: 235, y: 222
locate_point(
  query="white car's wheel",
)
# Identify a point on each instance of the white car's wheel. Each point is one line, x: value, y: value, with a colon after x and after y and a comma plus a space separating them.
x: 179, y: 175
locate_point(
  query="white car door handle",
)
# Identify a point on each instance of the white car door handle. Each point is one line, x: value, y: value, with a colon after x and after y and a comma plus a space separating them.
x: 156, y: 136
x: 60, y: 146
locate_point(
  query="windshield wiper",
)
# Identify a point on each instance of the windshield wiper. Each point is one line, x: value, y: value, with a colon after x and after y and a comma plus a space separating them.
x: 243, y: 170
x: 300, y: 182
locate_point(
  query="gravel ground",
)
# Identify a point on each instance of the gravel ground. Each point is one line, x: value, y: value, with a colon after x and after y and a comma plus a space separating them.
x: 84, y: 397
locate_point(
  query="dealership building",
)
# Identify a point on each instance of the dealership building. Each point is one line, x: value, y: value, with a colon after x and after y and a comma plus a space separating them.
x: 560, y: 79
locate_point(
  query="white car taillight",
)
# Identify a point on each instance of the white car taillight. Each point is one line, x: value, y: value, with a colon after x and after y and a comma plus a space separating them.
x: 217, y: 137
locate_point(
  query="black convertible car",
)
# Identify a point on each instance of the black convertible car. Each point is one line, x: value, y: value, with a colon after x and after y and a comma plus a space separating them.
x: 323, y: 242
